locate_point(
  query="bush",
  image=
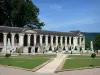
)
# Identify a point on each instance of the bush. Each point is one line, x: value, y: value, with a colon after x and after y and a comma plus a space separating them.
x: 93, y: 55
x: 7, y: 55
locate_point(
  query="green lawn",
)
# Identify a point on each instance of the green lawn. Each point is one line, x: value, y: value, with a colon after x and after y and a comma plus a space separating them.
x: 78, y: 61
x: 28, y: 62
x: 40, y: 56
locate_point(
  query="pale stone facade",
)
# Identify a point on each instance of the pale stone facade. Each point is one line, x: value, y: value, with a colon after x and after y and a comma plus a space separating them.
x: 37, y: 41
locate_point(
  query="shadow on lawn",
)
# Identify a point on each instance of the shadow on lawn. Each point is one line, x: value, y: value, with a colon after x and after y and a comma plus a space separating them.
x: 91, y: 65
x: 9, y: 64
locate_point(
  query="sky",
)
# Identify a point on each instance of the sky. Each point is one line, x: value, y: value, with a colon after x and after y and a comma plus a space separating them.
x: 67, y: 15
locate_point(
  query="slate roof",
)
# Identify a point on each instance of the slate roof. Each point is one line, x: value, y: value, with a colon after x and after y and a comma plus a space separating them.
x: 39, y: 31
x: 46, y: 32
x: 10, y: 29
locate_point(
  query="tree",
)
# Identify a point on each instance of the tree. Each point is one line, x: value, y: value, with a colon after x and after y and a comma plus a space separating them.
x: 7, y: 55
x: 97, y: 42
x: 18, y: 13
x: 87, y: 44
x: 19, y: 50
x: 93, y: 55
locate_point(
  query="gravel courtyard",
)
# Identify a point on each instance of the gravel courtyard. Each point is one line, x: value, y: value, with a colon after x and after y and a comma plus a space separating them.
x: 12, y: 71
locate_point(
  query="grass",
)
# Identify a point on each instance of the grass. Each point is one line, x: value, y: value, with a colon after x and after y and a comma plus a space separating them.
x: 28, y: 62
x: 79, y: 61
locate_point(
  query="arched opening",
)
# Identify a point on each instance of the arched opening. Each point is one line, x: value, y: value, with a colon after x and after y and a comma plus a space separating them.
x: 43, y: 39
x: 1, y: 38
x: 29, y: 50
x: 80, y: 49
x: 82, y: 40
x: 57, y: 48
x: 70, y: 48
x: 59, y: 39
x: 63, y: 40
x: 54, y: 39
x: 16, y: 39
x: 31, y: 40
x: 38, y: 39
x: 1, y: 41
x: 67, y: 40
x: 36, y: 49
x: 75, y: 48
x: 49, y: 39
x: 9, y: 37
x: 72, y: 40
x: 25, y: 40
x: 64, y: 48
x: 50, y: 48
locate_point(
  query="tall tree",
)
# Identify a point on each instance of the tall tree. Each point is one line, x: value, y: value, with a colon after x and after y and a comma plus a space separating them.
x: 18, y: 13
x: 97, y: 42
x: 87, y: 44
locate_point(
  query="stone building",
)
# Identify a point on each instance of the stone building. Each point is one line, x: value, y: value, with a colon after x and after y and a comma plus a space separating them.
x: 37, y: 40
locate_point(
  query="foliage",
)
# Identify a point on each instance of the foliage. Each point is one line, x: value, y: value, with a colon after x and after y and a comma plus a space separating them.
x: 87, y: 45
x: 89, y: 37
x: 17, y: 13
x: 7, y: 55
x: 93, y: 55
x: 19, y: 50
x: 97, y: 42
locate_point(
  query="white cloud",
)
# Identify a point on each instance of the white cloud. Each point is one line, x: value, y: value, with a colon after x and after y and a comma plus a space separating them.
x: 56, y: 7
x: 87, y: 21
x: 82, y: 22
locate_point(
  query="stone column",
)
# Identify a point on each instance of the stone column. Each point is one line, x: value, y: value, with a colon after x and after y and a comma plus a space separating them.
x: 83, y: 42
x: 29, y: 39
x: 56, y: 41
x: 41, y: 47
x: 5, y: 42
x: 61, y: 40
x: 75, y: 39
x: 21, y: 39
x: 41, y: 36
x: 46, y: 40
x: 80, y: 41
x: 51, y: 41
x: 70, y: 41
x: 65, y: 40
x: 12, y: 40
x: 34, y: 39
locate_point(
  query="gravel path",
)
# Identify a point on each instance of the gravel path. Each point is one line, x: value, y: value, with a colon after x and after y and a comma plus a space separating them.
x: 51, y: 67
x: 12, y: 71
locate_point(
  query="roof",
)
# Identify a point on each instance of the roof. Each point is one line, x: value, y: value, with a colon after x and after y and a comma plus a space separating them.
x: 10, y: 29
x: 47, y: 32
x: 39, y: 31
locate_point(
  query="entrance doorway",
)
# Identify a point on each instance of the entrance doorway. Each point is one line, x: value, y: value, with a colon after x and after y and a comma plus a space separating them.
x: 36, y: 49
x: 29, y: 50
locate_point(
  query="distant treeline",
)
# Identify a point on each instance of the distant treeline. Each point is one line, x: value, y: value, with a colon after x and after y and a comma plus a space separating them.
x: 89, y: 37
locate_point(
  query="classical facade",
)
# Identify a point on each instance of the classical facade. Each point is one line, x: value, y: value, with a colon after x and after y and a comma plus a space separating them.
x: 37, y: 40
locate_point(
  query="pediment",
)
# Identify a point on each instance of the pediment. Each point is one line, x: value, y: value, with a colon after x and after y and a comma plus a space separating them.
x: 80, y: 34
x: 30, y: 31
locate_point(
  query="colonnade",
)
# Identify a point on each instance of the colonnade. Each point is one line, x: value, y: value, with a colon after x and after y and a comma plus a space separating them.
x: 65, y: 41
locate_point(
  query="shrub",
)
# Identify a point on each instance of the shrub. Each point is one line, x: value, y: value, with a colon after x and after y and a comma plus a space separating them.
x: 93, y: 55
x: 7, y: 55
